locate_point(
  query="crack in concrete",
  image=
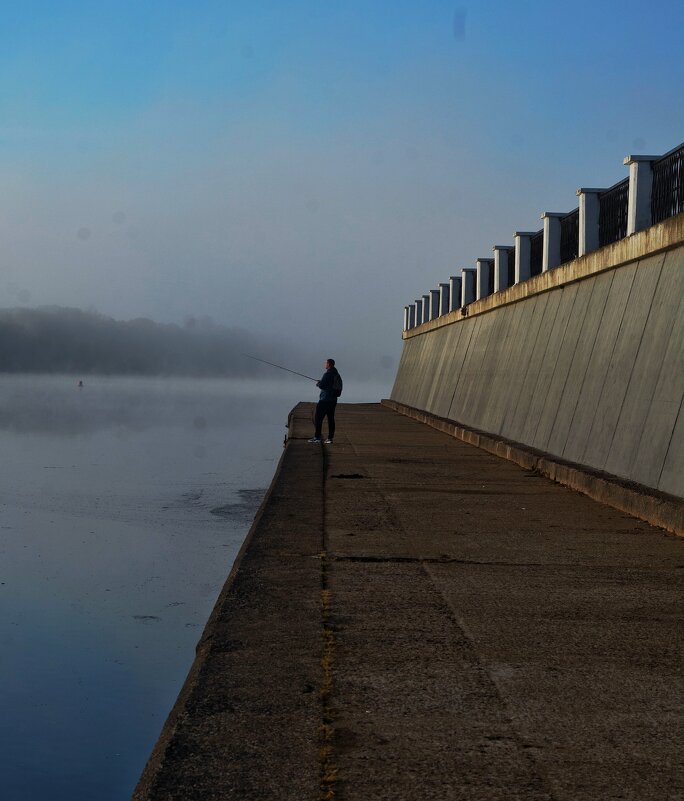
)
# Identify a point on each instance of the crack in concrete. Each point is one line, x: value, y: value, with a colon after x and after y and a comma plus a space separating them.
x: 326, y: 730
x: 440, y: 560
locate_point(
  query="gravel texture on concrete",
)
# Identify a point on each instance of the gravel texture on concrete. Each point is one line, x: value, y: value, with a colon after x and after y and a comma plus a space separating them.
x: 413, y: 618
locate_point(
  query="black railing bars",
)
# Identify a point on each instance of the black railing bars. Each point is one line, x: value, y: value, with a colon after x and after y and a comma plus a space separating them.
x: 619, y: 210
x: 667, y: 193
x: 536, y: 252
x: 613, y: 213
x: 569, y: 236
x: 511, y: 266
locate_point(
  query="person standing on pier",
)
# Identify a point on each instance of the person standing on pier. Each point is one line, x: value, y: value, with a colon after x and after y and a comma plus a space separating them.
x: 331, y: 389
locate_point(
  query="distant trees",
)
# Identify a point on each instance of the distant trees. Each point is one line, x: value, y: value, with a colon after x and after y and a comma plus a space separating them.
x: 54, y: 339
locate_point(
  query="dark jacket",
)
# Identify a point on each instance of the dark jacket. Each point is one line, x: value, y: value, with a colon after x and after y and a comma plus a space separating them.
x: 326, y: 385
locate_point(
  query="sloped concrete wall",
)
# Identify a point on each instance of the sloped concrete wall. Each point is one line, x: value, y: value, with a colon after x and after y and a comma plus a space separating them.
x: 590, y: 370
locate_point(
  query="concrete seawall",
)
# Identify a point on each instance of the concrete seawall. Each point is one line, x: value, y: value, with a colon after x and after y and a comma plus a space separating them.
x: 584, y: 362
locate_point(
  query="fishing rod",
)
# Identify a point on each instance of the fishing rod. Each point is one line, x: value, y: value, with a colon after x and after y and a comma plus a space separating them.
x: 280, y: 367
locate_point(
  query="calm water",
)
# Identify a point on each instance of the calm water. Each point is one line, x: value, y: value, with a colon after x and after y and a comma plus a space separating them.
x: 122, y: 507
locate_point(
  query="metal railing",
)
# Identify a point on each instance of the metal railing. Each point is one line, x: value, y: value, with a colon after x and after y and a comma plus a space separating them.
x: 569, y: 236
x: 667, y: 193
x: 613, y: 213
x: 511, y: 266
x: 536, y: 252
x: 667, y: 200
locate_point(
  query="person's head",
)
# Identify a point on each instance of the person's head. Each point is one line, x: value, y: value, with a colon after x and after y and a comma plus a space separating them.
x: 329, y: 364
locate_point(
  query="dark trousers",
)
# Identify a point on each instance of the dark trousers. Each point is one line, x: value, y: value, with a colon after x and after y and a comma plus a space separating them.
x: 325, y: 409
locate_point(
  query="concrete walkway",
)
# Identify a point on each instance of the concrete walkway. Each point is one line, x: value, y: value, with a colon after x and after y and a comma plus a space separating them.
x: 413, y: 618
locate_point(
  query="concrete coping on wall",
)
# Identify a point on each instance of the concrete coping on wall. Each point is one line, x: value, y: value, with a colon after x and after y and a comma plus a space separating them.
x: 584, y: 190
x: 634, y: 159
x: 664, y: 236
x: 553, y: 214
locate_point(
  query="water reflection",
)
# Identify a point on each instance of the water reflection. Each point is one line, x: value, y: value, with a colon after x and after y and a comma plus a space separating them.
x: 111, y: 559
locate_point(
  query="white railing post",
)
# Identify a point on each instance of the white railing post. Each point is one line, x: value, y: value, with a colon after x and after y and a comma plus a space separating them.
x: 454, y: 293
x: 419, y: 312
x: 500, y: 267
x: 434, y: 303
x: 589, y: 207
x: 552, y: 240
x: 522, y: 255
x: 640, y: 186
x: 444, y: 292
x: 483, y: 287
x: 468, y: 285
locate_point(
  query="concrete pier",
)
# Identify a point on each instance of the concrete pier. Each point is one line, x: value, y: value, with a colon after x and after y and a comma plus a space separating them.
x: 414, y: 618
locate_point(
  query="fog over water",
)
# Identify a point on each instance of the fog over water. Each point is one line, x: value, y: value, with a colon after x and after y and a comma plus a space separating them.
x: 123, y: 506
x: 53, y: 339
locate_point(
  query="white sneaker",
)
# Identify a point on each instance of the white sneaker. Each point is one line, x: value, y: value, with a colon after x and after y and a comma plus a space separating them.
x: 315, y: 440
x: 328, y: 442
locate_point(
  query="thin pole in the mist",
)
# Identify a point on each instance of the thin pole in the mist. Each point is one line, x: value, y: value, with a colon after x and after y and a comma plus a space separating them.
x: 279, y: 366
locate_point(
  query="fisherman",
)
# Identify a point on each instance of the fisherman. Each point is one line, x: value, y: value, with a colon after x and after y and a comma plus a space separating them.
x: 331, y: 389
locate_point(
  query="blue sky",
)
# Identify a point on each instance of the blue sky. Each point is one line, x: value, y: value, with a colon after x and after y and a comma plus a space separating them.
x: 303, y: 168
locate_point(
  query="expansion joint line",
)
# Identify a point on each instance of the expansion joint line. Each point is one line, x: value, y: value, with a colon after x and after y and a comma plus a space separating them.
x: 326, y: 731
x: 459, y: 623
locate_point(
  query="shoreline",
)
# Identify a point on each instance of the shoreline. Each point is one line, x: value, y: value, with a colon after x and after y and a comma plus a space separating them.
x: 155, y: 760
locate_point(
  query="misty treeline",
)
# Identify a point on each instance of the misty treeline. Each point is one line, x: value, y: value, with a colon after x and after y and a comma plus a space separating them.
x: 63, y: 340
